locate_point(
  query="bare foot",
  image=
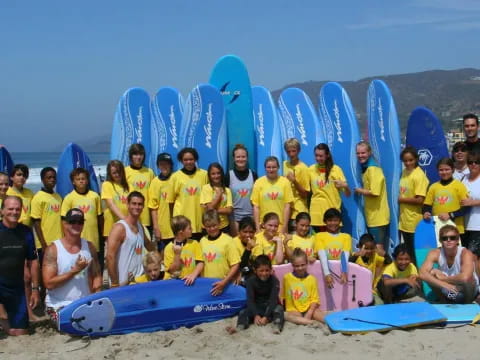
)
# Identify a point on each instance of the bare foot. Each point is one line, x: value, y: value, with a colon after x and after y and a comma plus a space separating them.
x: 231, y: 330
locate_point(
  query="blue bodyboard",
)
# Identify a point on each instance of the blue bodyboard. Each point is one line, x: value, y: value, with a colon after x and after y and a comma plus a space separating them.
x: 458, y: 313
x: 71, y: 158
x: 384, y: 137
x: 204, y: 125
x: 167, y: 112
x: 131, y: 124
x: 267, y: 127
x: 6, y: 162
x: 342, y: 134
x: 230, y: 76
x: 384, y: 317
x: 425, y: 133
x: 300, y: 121
x: 151, y: 306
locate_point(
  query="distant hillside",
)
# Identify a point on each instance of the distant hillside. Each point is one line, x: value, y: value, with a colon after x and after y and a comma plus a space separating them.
x: 449, y: 93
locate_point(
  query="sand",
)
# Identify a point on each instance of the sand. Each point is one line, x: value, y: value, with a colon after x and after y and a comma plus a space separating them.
x: 211, y: 341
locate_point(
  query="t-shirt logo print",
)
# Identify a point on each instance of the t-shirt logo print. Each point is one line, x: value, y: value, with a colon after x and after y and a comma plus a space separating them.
x: 139, y: 184
x: 85, y: 208
x: 55, y: 208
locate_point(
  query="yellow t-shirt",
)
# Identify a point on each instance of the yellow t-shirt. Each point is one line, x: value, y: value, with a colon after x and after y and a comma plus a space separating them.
x: 206, y: 196
x: 299, y: 293
x: 301, y: 175
x: 140, y: 279
x: 271, y: 196
x: 26, y: 195
x: 393, y: 272
x: 239, y: 246
x: 376, y: 263
x: 412, y: 184
x: 334, y: 244
x: 324, y: 194
x: 220, y: 255
x: 118, y: 195
x: 186, y: 193
x: 89, y: 203
x: 377, y: 212
x: 160, y: 196
x: 46, y: 208
x: 445, y: 199
x: 265, y: 247
x: 191, y: 254
x: 139, y: 180
x: 304, y: 243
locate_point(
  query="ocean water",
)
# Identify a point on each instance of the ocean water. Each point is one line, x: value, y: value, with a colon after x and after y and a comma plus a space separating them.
x: 36, y: 161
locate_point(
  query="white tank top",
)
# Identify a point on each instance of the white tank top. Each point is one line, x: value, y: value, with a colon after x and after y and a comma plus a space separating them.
x: 130, y: 255
x: 456, y: 267
x: 74, y: 288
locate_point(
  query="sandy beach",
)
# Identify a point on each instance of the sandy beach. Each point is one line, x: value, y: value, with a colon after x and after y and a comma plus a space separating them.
x: 210, y: 341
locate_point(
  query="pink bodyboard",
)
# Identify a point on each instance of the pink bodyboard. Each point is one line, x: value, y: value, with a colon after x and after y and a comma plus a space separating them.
x: 355, y: 293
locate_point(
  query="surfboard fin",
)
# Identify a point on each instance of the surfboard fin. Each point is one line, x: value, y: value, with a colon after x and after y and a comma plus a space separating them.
x: 475, y: 320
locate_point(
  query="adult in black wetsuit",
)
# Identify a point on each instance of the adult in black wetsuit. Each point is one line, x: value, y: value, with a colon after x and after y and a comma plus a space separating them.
x: 470, y: 128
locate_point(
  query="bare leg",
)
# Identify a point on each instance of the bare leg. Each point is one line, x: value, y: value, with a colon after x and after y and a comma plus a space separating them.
x: 4, y: 319
x: 319, y: 315
x: 297, y: 318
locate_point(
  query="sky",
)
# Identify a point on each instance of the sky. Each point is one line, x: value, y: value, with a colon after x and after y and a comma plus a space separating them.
x: 65, y: 64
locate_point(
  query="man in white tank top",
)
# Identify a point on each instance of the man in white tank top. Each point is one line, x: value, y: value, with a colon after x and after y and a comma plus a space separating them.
x: 70, y: 266
x: 455, y: 280
x: 126, y: 242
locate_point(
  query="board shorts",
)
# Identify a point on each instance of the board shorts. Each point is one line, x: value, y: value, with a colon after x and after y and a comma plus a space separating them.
x: 473, y: 239
x: 15, y: 303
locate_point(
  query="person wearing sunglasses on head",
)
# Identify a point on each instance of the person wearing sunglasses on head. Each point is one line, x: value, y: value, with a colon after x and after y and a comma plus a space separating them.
x: 70, y: 266
x: 455, y: 280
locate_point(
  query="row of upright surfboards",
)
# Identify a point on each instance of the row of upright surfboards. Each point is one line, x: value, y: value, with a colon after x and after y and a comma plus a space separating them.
x: 228, y: 111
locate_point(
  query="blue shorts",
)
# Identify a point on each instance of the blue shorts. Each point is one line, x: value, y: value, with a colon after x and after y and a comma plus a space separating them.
x: 15, y: 303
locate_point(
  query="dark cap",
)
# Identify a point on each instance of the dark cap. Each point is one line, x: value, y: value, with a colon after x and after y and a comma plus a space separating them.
x: 165, y: 157
x: 74, y: 215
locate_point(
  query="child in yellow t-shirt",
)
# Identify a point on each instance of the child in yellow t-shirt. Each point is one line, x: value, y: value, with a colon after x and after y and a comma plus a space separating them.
x: 152, y: 266
x: 296, y: 172
x: 244, y: 243
x: 302, y: 238
x: 183, y: 257
x: 4, y: 180
x: 302, y: 303
x: 270, y: 241
x: 400, y: 279
x: 333, y: 245
x: 18, y: 177
x: 221, y: 256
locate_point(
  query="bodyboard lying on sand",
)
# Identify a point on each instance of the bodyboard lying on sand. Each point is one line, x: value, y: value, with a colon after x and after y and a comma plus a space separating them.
x: 357, y: 292
x: 459, y: 313
x: 151, y: 306
x: 71, y: 158
x: 384, y: 318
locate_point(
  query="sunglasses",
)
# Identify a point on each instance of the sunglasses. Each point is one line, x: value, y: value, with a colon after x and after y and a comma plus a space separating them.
x: 76, y: 222
x: 476, y: 162
x: 460, y: 150
x: 449, y: 238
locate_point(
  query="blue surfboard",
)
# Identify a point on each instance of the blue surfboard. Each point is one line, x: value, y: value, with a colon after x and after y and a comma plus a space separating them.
x: 300, y: 121
x: 384, y: 136
x: 342, y: 134
x: 384, y: 317
x: 131, y: 124
x: 230, y: 76
x: 204, y: 125
x: 6, y: 162
x: 167, y: 112
x: 425, y: 133
x: 425, y: 240
x: 71, y: 158
x: 150, y: 307
x: 267, y: 127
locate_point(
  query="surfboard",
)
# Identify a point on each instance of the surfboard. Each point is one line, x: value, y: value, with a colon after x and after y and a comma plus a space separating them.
x: 267, y: 127
x: 71, y: 158
x: 300, y: 121
x: 6, y: 162
x: 425, y: 133
x: 384, y: 318
x: 342, y: 135
x: 230, y: 76
x: 131, y: 124
x: 355, y: 293
x: 424, y: 240
x: 204, y: 125
x: 459, y: 313
x: 151, y: 306
x: 166, y: 115
x: 384, y: 136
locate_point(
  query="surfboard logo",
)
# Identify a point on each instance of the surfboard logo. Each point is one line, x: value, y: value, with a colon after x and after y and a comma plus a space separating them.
x: 425, y: 157
x: 209, y: 307
x: 173, y: 127
x: 224, y: 91
x: 301, y: 127
x: 260, y: 127
x: 139, y: 129
x: 381, y: 123
x: 208, y: 127
x: 337, y: 124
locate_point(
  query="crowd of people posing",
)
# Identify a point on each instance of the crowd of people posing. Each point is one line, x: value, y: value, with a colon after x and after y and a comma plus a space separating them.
x: 233, y: 226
